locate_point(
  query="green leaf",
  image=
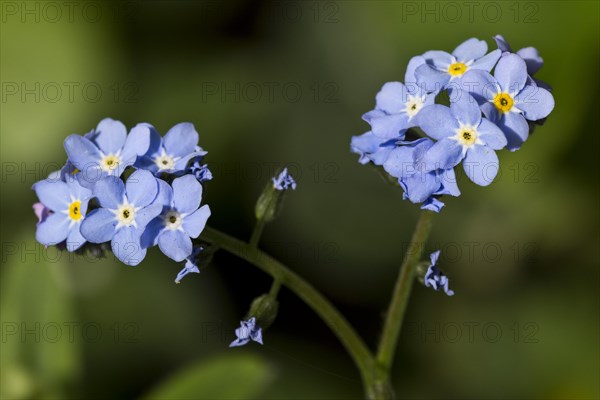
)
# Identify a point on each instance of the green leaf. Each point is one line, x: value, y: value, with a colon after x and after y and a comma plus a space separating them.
x: 234, y: 376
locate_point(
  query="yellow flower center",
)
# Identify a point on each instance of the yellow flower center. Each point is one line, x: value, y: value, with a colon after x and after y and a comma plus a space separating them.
x: 109, y: 162
x: 457, y: 69
x: 75, y: 171
x: 75, y: 211
x: 503, y: 102
x: 466, y: 135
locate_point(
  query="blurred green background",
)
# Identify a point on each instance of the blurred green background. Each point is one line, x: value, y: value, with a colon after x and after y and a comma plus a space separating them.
x: 274, y: 82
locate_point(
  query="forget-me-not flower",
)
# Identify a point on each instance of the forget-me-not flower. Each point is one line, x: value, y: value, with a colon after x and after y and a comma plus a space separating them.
x: 106, y: 151
x: 191, y: 264
x: 64, y: 208
x: 284, y: 181
x: 434, y: 277
x: 246, y: 332
x: 125, y: 210
x: 507, y: 100
x: 172, y: 152
x: 462, y: 133
x: 200, y: 171
x: 181, y: 218
x: 442, y: 67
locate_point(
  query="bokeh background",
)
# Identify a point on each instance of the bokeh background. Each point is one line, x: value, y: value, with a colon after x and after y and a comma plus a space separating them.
x: 269, y: 83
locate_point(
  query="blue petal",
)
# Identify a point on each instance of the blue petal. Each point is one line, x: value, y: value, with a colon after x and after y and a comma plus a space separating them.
x: 175, y: 244
x: 110, y: 135
x: 181, y: 140
x: 75, y: 239
x: 433, y: 257
x: 380, y: 156
x: 390, y: 126
x: 420, y: 186
x: 53, y: 194
x: 371, y: 115
x: 511, y: 73
x: 400, y: 162
x: 431, y: 79
x: 151, y: 232
x: 187, y: 193
x: 444, y: 154
x: 78, y: 191
x: 480, y: 84
x: 437, y: 121
x: 449, y: 184
x: 440, y: 59
x: 411, y: 68
x: 141, y: 188
x: 239, y: 342
x: 256, y: 335
x: 502, y: 44
x: 487, y: 62
x: 194, y: 223
x: 164, y: 196
x: 110, y: 192
x: 147, y: 214
x: 432, y: 204
x: 465, y: 109
x: 481, y: 165
x: 392, y: 97
x: 470, y: 49
x: 137, y: 144
x: 532, y: 58
x: 491, y: 135
x: 81, y: 152
x: 515, y: 128
x: 126, y: 246
x: 364, y: 145
x: 535, y: 102
x: 98, y: 226
x: 53, y: 230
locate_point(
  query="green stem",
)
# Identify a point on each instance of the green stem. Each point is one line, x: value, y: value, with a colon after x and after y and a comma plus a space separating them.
x: 355, y: 346
x: 399, y: 302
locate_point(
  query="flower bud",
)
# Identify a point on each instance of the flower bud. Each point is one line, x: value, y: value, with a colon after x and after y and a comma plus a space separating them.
x: 264, y: 309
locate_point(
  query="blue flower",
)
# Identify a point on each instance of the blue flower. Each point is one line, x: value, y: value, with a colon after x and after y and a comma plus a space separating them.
x: 64, y: 208
x: 507, y: 100
x: 180, y: 218
x: 172, y: 153
x: 246, y: 332
x: 372, y: 148
x: 396, y: 106
x: 443, y: 68
x: 530, y: 55
x: 190, y: 264
x: 405, y: 162
x: 125, y: 210
x: 434, y: 277
x: 284, y: 181
x: 107, y: 151
x: 200, y: 171
x: 462, y: 134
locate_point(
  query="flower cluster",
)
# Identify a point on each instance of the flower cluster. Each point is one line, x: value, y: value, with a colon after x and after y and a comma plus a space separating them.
x: 486, y: 113
x: 134, y: 190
